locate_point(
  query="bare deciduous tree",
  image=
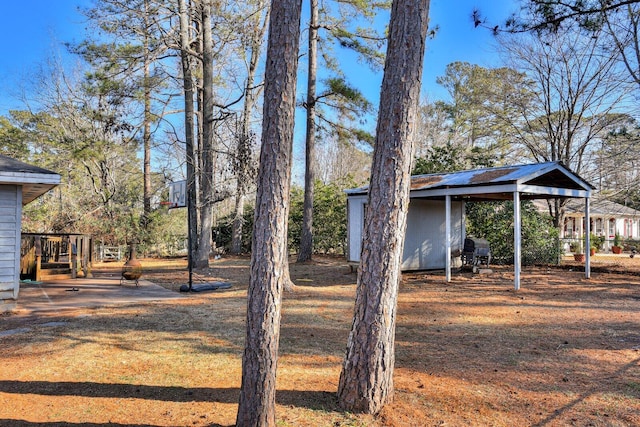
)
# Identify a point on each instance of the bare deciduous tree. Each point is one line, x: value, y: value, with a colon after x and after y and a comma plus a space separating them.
x: 578, y: 89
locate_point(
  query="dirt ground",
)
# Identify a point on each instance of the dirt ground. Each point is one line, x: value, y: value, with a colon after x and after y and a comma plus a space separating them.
x: 561, y: 351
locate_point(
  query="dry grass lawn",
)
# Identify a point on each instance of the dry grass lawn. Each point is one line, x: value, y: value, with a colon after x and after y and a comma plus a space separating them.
x: 561, y: 351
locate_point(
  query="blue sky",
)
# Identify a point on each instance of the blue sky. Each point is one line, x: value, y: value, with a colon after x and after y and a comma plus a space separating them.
x: 34, y: 30
x: 458, y: 40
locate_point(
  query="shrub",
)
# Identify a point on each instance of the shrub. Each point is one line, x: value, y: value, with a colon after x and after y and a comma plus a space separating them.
x: 329, y: 218
x: 329, y: 221
x: 223, y: 230
x: 494, y: 222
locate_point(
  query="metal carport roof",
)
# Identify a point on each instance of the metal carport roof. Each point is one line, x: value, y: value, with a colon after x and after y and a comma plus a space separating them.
x: 534, y: 181
x: 528, y: 181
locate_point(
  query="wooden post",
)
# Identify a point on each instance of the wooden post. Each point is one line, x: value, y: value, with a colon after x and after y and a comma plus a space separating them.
x: 86, y: 256
x: 73, y: 241
x: 38, y: 245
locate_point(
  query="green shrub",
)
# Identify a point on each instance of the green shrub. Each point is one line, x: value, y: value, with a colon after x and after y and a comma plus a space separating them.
x: 329, y: 218
x: 494, y: 222
x: 222, y: 232
x: 329, y: 221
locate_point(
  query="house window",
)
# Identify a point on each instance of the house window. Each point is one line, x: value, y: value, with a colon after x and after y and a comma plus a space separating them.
x: 612, y: 228
x: 570, y: 227
x: 628, y: 228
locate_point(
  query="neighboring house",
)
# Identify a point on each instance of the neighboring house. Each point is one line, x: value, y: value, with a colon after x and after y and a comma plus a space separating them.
x: 20, y: 184
x: 435, y: 220
x: 606, y: 219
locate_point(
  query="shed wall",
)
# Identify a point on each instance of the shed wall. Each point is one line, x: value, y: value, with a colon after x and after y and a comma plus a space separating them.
x: 355, y: 223
x: 424, y: 246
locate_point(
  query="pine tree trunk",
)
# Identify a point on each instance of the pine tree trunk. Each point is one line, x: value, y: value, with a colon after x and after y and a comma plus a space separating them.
x: 305, y: 251
x: 366, y: 381
x: 206, y: 182
x: 189, y: 122
x: 269, y: 248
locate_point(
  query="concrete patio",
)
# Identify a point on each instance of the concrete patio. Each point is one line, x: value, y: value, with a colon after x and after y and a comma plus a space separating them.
x: 38, y: 297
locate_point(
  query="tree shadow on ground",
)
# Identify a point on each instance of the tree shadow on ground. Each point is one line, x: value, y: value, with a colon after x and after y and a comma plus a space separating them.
x: 22, y: 423
x: 314, y: 400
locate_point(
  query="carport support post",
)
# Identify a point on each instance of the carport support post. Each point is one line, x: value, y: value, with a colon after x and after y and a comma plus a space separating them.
x: 587, y: 239
x: 447, y: 237
x: 517, y: 239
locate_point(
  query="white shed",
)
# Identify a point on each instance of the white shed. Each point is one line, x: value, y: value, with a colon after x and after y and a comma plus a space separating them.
x: 20, y: 184
x: 424, y: 243
x: 435, y: 221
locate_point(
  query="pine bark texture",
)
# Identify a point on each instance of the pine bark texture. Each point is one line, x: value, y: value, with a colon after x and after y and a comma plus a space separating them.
x: 305, y: 251
x: 366, y: 381
x: 269, y: 248
x: 189, y: 122
x: 206, y: 183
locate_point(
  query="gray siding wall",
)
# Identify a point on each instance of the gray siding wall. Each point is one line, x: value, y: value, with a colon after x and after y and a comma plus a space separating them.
x: 355, y: 224
x: 424, y: 245
x: 10, y: 225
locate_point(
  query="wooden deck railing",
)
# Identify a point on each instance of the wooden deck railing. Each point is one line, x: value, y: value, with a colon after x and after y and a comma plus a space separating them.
x: 48, y: 256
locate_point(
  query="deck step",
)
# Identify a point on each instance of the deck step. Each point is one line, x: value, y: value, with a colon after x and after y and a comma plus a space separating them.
x: 54, y: 265
x: 55, y: 271
x: 55, y: 274
x: 51, y: 277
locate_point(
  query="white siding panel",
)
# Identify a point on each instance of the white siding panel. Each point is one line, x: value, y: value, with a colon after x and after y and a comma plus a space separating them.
x: 7, y: 286
x: 7, y: 264
x: 8, y: 255
x: 7, y: 233
x: 10, y: 224
x: 355, y: 224
x: 6, y: 295
x: 8, y: 195
x: 7, y: 211
x: 424, y: 246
